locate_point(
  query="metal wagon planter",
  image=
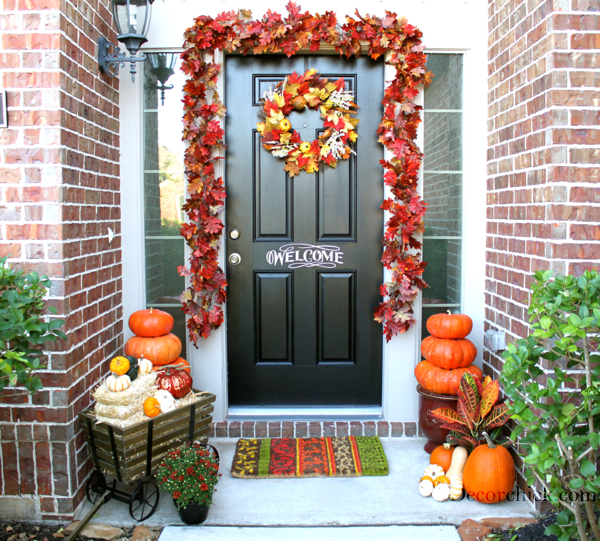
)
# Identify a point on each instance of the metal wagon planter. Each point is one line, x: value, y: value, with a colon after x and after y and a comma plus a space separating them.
x: 131, y: 455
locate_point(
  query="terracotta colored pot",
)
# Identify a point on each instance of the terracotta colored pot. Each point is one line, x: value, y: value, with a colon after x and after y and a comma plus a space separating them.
x: 429, y: 401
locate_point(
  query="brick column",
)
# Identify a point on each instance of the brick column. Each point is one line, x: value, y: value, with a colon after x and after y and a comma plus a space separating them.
x: 543, y: 152
x: 59, y: 189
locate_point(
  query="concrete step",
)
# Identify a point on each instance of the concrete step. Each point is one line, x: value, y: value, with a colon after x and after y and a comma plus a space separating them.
x: 401, y: 533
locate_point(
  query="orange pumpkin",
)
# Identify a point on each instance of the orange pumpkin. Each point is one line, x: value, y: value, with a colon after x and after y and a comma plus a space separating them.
x: 150, y: 323
x: 119, y: 366
x: 180, y: 362
x: 442, y: 456
x: 489, y: 474
x: 159, y: 350
x: 447, y: 353
x: 449, y: 325
x: 441, y: 381
x: 151, y: 407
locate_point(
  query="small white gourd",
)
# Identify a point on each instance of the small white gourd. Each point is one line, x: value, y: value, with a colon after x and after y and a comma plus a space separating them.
x: 165, y: 399
x: 433, y: 470
x: 117, y: 384
x: 425, y: 488
x: 441, y: 492
x: 145, y: 366
x: 456, y: 488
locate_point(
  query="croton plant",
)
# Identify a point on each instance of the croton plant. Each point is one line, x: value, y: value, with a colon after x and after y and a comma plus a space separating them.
x: 477, y: 412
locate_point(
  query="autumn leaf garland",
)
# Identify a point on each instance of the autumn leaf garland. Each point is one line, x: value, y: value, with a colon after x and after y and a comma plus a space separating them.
x: 274, y: 33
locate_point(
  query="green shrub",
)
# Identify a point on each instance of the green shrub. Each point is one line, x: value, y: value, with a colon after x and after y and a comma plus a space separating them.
x: 24, y: 326
x: 551, y: 380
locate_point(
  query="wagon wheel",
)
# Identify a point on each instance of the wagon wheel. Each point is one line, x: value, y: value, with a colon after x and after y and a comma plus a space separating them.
x: 144, y: 500
x: 97, y: 485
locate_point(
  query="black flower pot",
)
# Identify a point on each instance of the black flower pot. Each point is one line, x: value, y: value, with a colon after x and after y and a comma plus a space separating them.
x: 194, y: 513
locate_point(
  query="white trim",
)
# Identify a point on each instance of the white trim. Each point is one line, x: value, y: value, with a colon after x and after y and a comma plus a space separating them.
x: 281, y: 414
x: 132, y: 192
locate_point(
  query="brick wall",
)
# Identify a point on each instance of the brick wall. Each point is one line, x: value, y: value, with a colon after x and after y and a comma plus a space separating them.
x: 59, y: 193
x: 543, y: 151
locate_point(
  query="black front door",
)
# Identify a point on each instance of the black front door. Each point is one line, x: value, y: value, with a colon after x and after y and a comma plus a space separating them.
x: 300, y: 328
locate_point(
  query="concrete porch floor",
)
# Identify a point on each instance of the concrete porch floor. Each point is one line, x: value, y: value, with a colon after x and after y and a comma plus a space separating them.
x: 354, y: 501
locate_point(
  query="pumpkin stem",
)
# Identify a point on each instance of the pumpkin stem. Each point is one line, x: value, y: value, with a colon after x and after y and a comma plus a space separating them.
x: 447, y: 446
x: 490, y: 443
x: 449, y: 312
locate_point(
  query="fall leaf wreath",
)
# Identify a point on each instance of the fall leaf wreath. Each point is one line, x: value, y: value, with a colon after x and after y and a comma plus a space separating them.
x: 310, y: 91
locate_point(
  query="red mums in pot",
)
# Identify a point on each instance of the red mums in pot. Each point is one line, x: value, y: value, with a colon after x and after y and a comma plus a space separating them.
x: 190, y: 474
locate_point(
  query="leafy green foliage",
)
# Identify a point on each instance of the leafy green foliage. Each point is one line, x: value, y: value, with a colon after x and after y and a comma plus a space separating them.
x: 552, y: 382
x: 477, y: 413
x: 190, y: 473
x: 24, y: 326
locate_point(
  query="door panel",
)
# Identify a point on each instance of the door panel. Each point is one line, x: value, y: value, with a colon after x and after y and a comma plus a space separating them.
x: 272, y: 197
x: 336, y: 314
x: 300, y: 322
x: 273, y: 300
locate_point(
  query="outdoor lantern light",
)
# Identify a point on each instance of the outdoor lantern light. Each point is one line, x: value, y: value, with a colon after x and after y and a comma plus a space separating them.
x: 132, y: 18
x: 163, y: 66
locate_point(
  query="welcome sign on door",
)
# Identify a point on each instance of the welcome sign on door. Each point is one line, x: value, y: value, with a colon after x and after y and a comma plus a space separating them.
x: 298, y: 255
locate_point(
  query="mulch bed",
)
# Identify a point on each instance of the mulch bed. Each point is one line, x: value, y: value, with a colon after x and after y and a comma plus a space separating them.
x: 27, y: 531
x: 531, y: 532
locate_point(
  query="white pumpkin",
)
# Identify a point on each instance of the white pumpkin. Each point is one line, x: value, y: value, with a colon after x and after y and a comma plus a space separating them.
x: 145, y: 366
x: 425, y: 488
x: 165, y: 399
x: 441, y: 492
x: 433, y: 471
x: 116, y: 384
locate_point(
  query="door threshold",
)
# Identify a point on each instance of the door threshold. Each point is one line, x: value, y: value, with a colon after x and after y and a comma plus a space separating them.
x: 305, y: 413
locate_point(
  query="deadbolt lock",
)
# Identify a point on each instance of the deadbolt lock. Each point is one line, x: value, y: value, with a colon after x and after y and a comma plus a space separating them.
x: 235, y: 259
x: 234, y: 234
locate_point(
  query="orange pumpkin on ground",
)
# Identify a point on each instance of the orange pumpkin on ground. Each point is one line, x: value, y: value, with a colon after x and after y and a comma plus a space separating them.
x: 447, y: 353
x: 119, y: 365
x: 442, y: 456
x: 159, y: 350
x: 489, y: 474
x: 151, y: 407
x: 180, y: 362
x: 150, y: 323
x: 449, y: 325
x: 441, y: 381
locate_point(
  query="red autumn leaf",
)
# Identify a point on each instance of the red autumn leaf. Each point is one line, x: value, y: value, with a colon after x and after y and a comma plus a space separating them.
x: 212, y: 225
x: 188, y: 230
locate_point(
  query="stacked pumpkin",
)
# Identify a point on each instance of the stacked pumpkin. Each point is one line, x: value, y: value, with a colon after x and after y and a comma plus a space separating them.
x: 448, y: 353
x: 154, y: 341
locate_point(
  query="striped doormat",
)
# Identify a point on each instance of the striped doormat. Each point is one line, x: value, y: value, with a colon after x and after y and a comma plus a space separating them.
x: 269, y: 458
